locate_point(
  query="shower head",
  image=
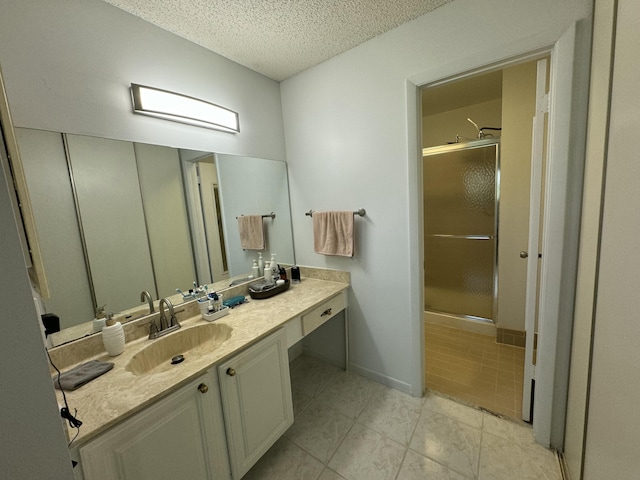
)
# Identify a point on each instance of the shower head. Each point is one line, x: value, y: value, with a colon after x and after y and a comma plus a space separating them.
x: 480, y: 135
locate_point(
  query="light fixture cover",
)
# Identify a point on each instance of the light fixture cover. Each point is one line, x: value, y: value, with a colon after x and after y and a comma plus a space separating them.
x: 182, y: 108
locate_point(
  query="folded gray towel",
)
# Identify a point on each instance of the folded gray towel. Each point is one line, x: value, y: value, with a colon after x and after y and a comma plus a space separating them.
x: 78, y: 376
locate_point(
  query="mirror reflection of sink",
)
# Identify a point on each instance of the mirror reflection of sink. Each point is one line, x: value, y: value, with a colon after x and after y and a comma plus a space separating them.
x: 190, y: 342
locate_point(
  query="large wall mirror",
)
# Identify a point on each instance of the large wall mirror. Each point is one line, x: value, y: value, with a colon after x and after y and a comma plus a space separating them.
x: 114, y: 218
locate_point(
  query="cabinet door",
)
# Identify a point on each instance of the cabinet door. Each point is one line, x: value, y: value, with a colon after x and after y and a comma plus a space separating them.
x: 256, y: 400
x: 181, y: 436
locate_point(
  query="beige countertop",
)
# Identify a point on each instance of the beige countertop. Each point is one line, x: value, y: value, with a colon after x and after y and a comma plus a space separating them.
x: 119, y: 393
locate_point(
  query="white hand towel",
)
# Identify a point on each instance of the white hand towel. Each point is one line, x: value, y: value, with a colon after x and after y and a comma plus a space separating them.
x: 333, y: 233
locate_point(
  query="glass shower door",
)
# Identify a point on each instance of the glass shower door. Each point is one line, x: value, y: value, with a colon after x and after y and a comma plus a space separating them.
x: 460, y: 212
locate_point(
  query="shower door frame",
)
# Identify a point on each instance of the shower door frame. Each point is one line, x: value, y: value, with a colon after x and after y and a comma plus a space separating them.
x: 470, y: 145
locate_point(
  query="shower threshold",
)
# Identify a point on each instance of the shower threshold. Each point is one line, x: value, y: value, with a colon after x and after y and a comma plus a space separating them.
x: 470, y: 323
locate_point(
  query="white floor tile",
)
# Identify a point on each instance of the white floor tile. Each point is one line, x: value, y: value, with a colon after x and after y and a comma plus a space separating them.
x: 450, y: 408
x: 309, y: 375
x: 348, y: 393
x: 329, y: 474
x: 350, y: 428
x: 502, y: 459
x: 418, y: 467
x: 285, y: 461
x: 448, y: 441
x: 367, y: 455
x: 392, y: 413
x: 508, y: 430
x: 319, y: 430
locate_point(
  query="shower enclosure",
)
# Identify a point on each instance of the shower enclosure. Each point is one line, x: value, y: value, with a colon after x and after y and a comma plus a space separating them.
x: 461, y: 193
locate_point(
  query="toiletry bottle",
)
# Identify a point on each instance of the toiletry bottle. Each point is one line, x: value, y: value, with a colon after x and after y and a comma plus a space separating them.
x: 99, y: 321
x: 274, y: 267
x: 267, y: 273
x: 113, y: 336
x: 255, y: 270
x: 260, y: 265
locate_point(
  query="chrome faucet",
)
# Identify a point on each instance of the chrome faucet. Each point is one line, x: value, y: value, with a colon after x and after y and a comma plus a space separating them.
x: 146, y: 296
x: 166, y: 326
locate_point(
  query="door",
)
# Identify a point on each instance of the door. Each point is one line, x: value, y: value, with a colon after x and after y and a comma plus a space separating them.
x: 256, y: 400
x: 533, y: 255
x: 210, y: 195
x: 461, y: 229
x: 181, y: 436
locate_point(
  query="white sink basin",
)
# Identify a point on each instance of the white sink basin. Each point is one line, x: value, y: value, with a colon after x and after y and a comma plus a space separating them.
x: 189, y: 342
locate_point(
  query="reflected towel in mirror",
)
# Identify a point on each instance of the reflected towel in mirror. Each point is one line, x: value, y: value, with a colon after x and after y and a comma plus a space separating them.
x: 251, y: 232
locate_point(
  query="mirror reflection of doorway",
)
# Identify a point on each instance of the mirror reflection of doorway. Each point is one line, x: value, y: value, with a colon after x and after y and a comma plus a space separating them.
x: 212, y: 215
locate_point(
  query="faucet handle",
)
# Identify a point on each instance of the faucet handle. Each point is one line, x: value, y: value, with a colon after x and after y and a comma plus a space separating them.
x: 153, y: 329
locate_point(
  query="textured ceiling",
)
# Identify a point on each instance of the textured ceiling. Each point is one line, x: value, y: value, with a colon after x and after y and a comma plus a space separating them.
x: 278, y: 38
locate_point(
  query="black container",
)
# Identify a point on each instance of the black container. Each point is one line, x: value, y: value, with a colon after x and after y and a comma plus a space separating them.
x: 295, y: 274
x: 262, y: 293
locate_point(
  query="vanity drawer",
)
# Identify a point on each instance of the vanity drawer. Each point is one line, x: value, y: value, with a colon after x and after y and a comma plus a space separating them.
x: 322, y: 313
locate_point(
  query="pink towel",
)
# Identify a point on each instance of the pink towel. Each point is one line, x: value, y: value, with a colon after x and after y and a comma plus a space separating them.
x: 333, y: 233
x: 251, y: 232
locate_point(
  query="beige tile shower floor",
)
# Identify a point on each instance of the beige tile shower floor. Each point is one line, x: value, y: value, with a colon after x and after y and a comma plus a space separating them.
x: 350, y: 428
x: 474, y: 369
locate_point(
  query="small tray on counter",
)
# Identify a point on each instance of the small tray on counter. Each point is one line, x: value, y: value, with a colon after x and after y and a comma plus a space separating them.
x: 260, y: 291
x: 210, y: 317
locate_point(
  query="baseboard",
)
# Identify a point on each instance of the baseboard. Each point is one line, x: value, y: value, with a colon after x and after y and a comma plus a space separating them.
x: 383, y: 379
x: 564, y: 468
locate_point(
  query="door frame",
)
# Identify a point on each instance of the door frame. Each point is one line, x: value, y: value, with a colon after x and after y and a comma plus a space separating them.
x: 567, y: 137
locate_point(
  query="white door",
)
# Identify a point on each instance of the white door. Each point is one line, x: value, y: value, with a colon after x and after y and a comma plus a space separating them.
x: 255, y: 387
x: 181, y: 436
x: 534, y: 246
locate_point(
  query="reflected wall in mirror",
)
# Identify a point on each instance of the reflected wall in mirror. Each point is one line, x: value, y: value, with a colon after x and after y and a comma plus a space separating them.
x: 115, y: 218
x: 255, y: 186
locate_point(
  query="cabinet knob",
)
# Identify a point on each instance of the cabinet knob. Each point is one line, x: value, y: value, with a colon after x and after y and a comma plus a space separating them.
x: 524, y: 254
x: 326, y: 312
x: 231, y: 372
x: 203, y: 388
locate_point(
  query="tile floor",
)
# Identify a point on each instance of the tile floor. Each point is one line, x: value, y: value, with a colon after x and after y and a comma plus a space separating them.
x: 350, y: 428
x: 475, y: 369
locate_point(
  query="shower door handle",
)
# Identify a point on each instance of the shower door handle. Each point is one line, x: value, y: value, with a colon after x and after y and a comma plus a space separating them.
x: 523, y: 254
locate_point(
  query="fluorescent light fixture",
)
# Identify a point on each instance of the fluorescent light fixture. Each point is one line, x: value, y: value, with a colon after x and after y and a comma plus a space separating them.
x: 181, y: 108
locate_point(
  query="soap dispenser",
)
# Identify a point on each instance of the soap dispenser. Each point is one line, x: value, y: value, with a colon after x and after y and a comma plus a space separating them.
x: 113, y: 336
x: 267, y: 274
x: 99, y: 321
x: 260, y: 265
x: 274, y: 266
x: 255, y: 270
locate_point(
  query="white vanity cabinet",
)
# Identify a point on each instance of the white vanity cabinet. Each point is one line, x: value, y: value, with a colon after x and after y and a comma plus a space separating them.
x: 180, y: 436
x: 255, y: 387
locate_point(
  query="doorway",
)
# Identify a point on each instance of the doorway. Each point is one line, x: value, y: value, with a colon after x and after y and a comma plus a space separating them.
x: 480, y: 359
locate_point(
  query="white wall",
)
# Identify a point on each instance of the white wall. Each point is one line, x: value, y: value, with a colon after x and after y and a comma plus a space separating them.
x: 611, y: 449
x: 595, y: 160
x: 68, y: 65
x: 33, y: 442
x: 352, y: 139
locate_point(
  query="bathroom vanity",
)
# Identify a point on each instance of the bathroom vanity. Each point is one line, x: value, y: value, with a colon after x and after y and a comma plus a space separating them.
x: 217, y: 412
